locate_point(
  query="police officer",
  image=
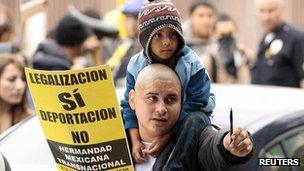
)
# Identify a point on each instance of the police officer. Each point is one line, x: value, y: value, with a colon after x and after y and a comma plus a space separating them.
x: 280, y: 58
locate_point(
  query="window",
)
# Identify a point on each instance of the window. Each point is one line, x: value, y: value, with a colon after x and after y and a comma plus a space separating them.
x: 276, y: 151
x: 288, y: 145
x: 294, y: 146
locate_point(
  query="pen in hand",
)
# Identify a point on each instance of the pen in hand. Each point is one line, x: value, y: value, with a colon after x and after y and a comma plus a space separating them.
x: 231, y: 124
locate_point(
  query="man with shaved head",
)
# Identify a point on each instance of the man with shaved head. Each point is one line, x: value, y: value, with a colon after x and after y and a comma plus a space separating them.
x: 153, y: 83
x: 157, y: 99
x: 280, y: 58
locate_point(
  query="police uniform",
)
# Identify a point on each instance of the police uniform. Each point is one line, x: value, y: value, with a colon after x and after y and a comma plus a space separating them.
x: 280, y: 59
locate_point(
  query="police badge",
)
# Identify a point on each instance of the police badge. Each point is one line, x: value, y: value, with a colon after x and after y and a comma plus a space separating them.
x: 275, y: 47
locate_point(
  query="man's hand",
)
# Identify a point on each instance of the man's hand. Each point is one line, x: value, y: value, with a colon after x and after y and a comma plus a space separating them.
x: 240, y: 143
x: 158, y: 144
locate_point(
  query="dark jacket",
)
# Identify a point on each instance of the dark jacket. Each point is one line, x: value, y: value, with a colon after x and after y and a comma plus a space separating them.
x: 50, y: 56
x: 198, y: 146
x: 211, y: 155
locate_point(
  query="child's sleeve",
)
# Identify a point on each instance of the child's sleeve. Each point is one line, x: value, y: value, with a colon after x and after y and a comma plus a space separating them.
x: 198, y: 96
x: 130, y: 120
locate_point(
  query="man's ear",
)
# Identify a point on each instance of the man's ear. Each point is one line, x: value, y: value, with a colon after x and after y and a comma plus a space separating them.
x: 132, y: 94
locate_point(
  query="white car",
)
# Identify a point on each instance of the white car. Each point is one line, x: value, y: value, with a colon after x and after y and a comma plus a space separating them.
x: 273, y: 115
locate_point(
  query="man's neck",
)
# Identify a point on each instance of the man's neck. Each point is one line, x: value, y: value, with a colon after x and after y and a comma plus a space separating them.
x: 145, y: 137
x: 277, y: 28
x: 200, y: 36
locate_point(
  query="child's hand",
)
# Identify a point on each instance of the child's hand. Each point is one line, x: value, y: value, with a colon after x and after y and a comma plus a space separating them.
x: 137, y: 146
x: 137, y: 152
x: 158, y: 144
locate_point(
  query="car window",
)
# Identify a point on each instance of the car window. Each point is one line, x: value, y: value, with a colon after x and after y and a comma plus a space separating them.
x: 289, y: 144
x: 276, y: 151
x: 294, y: 147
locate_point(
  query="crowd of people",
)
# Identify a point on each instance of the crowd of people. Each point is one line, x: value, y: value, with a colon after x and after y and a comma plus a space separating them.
x: 179, y: 60
x: 212, y: 35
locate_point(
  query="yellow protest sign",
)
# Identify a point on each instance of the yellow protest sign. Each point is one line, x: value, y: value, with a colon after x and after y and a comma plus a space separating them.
x: 81, y: 119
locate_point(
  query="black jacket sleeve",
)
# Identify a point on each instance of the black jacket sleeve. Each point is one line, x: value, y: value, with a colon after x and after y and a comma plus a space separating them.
x: 212, y: 154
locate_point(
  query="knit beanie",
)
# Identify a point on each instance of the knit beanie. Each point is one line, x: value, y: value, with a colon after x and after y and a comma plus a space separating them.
x: 154, y: 16
x: 70, y: 31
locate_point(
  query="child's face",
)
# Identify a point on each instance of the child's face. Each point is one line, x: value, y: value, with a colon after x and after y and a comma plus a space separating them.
x: 164, y: 44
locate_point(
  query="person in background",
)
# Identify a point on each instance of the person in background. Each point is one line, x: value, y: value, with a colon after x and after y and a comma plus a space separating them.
x: 280, y: 58
x: 232, y: 59
x: 198, y: 28
x: 116, y: 17
x: 129, y: 45
x: 8, y: 41
x: 69, y: 37
x: 95, y: 45
x: 13, y: 101
x: 198, y: 33
x: 7, y: 32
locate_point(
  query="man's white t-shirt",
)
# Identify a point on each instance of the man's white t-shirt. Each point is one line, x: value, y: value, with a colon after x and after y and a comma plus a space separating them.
x: 148, y: 165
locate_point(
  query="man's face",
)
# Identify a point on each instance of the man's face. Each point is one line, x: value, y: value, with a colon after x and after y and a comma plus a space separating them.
x: 202, y: 19
x: 157, y: 106
x: 270, y: 13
